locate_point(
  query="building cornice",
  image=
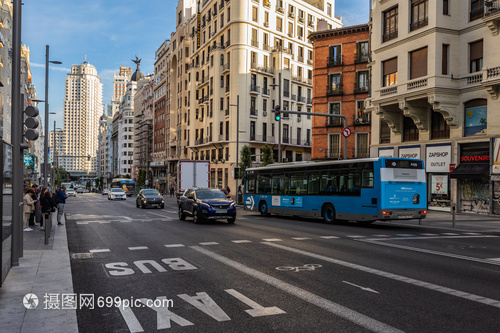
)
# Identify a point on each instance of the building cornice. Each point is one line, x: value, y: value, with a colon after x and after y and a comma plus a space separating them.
x: 338, y: 32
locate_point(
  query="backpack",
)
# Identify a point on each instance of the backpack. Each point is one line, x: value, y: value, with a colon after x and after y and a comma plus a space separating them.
x: 55, y: 198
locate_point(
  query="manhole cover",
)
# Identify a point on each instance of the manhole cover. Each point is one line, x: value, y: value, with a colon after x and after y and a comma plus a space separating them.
x: 85, y: 255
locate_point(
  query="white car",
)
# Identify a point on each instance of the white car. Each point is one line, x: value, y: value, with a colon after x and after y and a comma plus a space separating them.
x: 105, y: 191
x: 70, y: 192
x: 117, y: 193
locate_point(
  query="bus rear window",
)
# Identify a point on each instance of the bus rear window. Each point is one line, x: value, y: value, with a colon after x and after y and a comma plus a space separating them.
x: 403, y: 164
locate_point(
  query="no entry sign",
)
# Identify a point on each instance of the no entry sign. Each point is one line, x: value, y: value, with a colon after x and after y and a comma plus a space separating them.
x: 346, y: 132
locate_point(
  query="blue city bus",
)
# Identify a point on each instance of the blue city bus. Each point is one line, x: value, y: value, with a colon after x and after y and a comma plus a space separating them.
x: 362, y: 190
x: 128, y: 185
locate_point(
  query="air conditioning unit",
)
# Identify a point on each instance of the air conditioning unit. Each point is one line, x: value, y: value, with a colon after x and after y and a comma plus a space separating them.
x: 214, y: 161
x: 223, y: 160
x: 299, y: 119
x: 264, y: 113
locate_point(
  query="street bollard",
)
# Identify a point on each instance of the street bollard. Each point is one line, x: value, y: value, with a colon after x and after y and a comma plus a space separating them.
x: 453, y: 217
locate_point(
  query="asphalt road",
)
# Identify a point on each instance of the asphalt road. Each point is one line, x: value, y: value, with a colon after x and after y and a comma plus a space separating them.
x: 275, y: 274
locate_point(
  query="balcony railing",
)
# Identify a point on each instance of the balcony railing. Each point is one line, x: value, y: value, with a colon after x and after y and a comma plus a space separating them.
x: 254, y: 89
x: 280, y: 9
x: 334, y: 61
x: 333, y: 154
x: 286, y: 93
x: 301, y: 99
x: 309, y: 101
x: 491, y: 7
x: 266, y: 47
x: 363, y: 119
x: 389, y: 36
x: 361, y: 153
x: 419, y: 24
x: 360, y: 88
x: 360, y: 57
x: 334, y: 91
x: 254, y: 112
x: 266, y: 91
x: 294, y: 97
x: 255, y: 43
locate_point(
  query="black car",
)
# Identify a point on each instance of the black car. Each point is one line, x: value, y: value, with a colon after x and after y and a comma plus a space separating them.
x: 206, y: 204
x: 149, y: 197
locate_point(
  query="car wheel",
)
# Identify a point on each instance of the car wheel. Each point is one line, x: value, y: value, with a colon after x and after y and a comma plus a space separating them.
x: 182, y: 217
x: 231, y: 221
x: 143, y: 206
x: 263, y: 209
x: 196, y: 218
x: 162, y: 206
x: 328, y: 213
x: 137, y: 204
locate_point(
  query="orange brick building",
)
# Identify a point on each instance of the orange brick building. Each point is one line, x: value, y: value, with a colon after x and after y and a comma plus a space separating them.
x: 340, y: 86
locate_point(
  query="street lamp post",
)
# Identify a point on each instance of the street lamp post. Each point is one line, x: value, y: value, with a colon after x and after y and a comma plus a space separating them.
x: 237, y: 141
x: 46, y: 138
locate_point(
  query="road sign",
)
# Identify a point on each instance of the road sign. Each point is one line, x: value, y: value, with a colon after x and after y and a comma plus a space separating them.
x: 346, y: 132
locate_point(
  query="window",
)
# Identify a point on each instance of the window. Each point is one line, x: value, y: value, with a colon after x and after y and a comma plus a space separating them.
x: 476, y: 9
x: 254, y: 14
x: 418, y: 63
x: 390, y: 72
x: 439, y: 127
x: 362, y: 146
x: 329, y: 9
x: 390, y: 24
x: 334, y: 84
x: 476, y: 56
x: 252, y: 131
x: 334, y: 55
x: 361, y: 84
x: 361, y: 52
x: 334, y: 108
x: 333, y: 146
x: 285, y: 133
x: 410, y: 130
x: 385, y: 132
x: 444, y: 59
x: 279, y: 24
x: 266, y: 18
x: 286, y: 88
x: 264, y: 132
x: 446, y: 7
x: 419, y: 10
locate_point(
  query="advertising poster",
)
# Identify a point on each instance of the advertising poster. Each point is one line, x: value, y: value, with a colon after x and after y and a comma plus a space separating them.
x: 475, y: 120
x: 439, y: 184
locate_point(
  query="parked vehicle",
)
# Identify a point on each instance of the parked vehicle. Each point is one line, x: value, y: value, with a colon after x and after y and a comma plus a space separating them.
x: 117, y: 193
x: 192, y: 174
x: 105, y: 191
x: 149, y: 197
x: 206, y: 204
x: 70, y: 192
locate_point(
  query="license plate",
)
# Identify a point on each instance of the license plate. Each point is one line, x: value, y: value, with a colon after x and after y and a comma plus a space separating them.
x: 221, y: 211
x: 405, y: 216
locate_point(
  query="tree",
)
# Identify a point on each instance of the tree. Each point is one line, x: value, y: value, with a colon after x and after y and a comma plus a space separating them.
x: 245, y: 159
x: 141, y: 179
x: 267, y: 155
x: 127, y: 176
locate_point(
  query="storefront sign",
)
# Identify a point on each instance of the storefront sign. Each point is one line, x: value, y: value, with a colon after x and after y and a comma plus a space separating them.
x: 438, y: 158
x: 386, y: 152
x: 409, y: 152
x: 453, y: 166
x: 495, y: 168
x: 439, y: 184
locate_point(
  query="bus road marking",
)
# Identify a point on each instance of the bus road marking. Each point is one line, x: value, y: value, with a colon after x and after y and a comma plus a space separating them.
x: 99, y: 250
x: 209, y: 243
x: 301, y: 238
x: 174, y: 245
x: 273, y: 240
x: 241, y: 241
x: 332, y: 307
x: 355, y: 236
x: 400, y: 278
x: 134, y: 248
x: 328, y: 237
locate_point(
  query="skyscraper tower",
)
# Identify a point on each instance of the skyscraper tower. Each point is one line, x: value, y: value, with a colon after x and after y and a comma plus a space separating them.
x: 82, y: 109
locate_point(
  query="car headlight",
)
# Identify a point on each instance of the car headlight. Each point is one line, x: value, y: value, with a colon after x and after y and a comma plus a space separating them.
x: 232, y: 205
x: 162, y: 201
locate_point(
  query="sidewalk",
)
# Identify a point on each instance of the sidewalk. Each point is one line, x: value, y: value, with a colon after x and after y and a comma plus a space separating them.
x: 44, y: 269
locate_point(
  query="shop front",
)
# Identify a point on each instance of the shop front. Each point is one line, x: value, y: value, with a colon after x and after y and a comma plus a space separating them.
x: 473, y: 177
x: 437, y: 167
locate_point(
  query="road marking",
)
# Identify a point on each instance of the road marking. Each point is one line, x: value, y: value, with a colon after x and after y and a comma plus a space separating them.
x: 99, y: 250
x: 431, y: 286
x: 241, y: 241
x: 301, y: 238
x: 337, y: 309
x: 427, y: 235
x: 174, y: 245
x: 328, y: 237
x: 471, y: 233
x: 449, y: 234
x: 355, y: 236
x: 494, y: 259
x: 209, y: 243
x: 362, y: 288
x: 405, y: 235
x: 162, y: 215
x: 273, y: 240
x: 257, y: 309
x: 82, y: 223
x: 134, y: 248
x: 380, y: 236
x: 104, y: 222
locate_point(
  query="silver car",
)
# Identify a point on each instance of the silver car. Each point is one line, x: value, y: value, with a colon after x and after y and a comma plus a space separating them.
x: 117, y: 193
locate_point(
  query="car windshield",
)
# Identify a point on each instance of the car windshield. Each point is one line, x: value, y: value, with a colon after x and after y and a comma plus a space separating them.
x: 210, y: 194
x: 70, y: 190
x: 116, y: 190
x: 151, y: 192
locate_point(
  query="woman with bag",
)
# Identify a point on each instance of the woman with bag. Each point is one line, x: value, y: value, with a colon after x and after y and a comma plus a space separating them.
x: 28, y: 208
x: 47, y: 205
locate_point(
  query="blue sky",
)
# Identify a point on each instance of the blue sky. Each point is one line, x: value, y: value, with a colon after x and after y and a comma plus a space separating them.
x: 110, y: 33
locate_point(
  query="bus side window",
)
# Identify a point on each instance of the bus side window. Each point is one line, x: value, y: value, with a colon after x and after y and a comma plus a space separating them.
x: 263, y: 184
x: 367, y: 177
x: 250, y: 185
x: 313, y: 183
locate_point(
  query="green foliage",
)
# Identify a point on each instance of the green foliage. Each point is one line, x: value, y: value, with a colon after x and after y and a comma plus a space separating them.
x: 245, y: 159
x: 141, y: 180
x: 127, y: 176
x: 267, y: 155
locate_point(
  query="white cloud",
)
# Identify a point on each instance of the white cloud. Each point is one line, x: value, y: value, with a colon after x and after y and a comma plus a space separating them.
x: 55, y: 67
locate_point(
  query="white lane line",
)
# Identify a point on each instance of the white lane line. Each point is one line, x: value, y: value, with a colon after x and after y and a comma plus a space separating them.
x: 162, y: 215
x: 494, y: 259
x: 431, y: 286
x: 241, y: 241
x: 427, y: 237
x: 301, y: 238
x: 337, y: 309
x: 174, y: 245
x: 134, y: 248
x: 471, y: 233
x: 209, y: 243
x: 429, y: 234
x: 444, y: 254
x: 128, y: 221
x: 405, y: 235
x: 82, y: 223
x: 328, y: 237
x: 380, y: 236
x: 355, y: 236
x: 105, y: 222
x: 450, y: 234
x: 99, y: 250
x: 273, y: 240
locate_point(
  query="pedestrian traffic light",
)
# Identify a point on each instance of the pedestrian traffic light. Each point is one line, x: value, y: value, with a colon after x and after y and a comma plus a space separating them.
x: 277, y: 115
x: 31, y: 123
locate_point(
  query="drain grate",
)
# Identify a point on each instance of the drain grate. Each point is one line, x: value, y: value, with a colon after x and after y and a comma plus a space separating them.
x: 84, y: 255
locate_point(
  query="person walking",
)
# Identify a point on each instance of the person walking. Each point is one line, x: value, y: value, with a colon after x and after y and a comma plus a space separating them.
x: 31, y: 223
x: 28, y: 208
x: 61, y: 196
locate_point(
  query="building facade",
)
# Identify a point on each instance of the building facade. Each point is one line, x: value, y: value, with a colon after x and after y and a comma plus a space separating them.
x: 435, y: 75
x: 340, y: 60
x: 225, y: 65
x: 119, y: 87
x: 82, y: 110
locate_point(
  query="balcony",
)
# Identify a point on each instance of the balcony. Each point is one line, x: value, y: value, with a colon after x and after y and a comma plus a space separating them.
x: 255, y: 43
x: 310, y: 62
x: 492, y: 15
x: 419, y: 24
x: 291, y: 15
x: 360, y: 57
x: 266, y: 91
x: 301, y: 99
x: 334, y: 91
x: 294, y: 97
x: 310, y: 24
x: 334, y: 61
x: 309, y: 101
x: 391, y: 90
x: 300, y: 59
x: 361, y: 119
x: 267, y: 3
x: 361, y: 153
x: 266, y: 47
x: 254, y: 89
x: 225, y: 68
x: 301, y: 19
x: 254, y: 112
x: 286, y: 93
x: 280, y: 9
x: 389, y: 36
x: 360, y: 88
x: 333, y: 154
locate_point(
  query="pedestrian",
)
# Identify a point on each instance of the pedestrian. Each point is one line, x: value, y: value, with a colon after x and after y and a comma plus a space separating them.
x: 171, y: 191
x: 239, y: 189
x: 33, y: 216
x: 46, y: 205
x: 61, y: 197
x: 228, y: 190
x: 28, y: 208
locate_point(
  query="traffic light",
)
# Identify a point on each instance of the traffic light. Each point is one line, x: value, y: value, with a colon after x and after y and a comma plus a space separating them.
x: 31, y: 123
x: 277, y: 115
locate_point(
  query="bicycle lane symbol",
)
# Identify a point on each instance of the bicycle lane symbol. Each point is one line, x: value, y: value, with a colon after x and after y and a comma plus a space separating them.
x: 306, y: 267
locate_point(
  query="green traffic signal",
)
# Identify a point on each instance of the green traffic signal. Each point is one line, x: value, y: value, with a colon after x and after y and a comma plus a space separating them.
x: 277, y: 117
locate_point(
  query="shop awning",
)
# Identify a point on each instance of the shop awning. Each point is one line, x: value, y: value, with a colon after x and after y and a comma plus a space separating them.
x: 470, y: 171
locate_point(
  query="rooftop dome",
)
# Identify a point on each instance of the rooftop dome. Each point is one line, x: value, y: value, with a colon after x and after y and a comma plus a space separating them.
x: 137, y: 74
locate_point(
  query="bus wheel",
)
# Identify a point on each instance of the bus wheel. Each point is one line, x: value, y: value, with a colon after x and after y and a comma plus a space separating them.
x: 328, y: 213
x: 263, y: 209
